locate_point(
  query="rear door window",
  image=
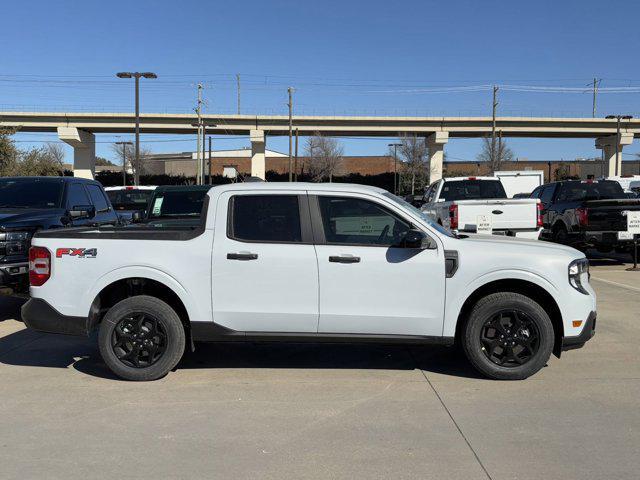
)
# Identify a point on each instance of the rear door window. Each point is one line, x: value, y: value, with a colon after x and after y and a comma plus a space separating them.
x: 265, y: 218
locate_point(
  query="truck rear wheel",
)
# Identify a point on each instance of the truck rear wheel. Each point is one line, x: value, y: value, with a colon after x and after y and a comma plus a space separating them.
x: 141, y: 338
x: 508, y: 336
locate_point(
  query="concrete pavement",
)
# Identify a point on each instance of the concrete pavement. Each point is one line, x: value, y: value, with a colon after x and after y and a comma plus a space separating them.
x: 326, y: 411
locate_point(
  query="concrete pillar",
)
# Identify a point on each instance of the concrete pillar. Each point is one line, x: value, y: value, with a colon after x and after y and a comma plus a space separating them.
x: 613, y: 165
x: 257, y: 154
x: 435, y: 145
x: 84, y: 150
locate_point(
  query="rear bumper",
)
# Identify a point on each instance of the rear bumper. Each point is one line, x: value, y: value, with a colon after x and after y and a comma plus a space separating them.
x: 39, y: 315
x: 602, y: 238
x: 14, y: 276
x: 588, y: 331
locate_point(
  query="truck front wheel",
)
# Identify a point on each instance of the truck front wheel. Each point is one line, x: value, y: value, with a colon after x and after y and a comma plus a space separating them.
x: 141, y: 338
x: 508, y: 336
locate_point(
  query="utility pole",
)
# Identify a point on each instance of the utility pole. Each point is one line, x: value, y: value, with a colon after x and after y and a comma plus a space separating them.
x: 124, y: 161
x: 199, y: 114
x: 595, y: 84
x: 290, y: 104
x: 395, y: 166
x: 238, y: 88
x: 493, y: 125
x: 209, y: 168
x: 295, y: 169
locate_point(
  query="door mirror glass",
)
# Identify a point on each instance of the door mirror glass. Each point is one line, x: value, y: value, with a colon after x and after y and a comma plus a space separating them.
x: 415, y: 238
x: 79, y: 212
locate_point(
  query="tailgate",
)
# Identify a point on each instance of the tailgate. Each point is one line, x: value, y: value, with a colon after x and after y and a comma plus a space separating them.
x: 505, y: 214
x: 608, y: 214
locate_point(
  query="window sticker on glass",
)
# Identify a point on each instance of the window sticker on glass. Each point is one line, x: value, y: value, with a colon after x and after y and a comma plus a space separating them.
x: 157, y: 206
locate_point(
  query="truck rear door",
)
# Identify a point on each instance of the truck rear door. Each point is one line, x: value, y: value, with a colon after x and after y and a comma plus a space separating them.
x: 264, y: 267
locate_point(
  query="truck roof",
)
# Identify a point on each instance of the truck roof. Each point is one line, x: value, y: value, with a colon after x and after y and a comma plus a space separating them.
x: 312, y: 187
x: 471, y: 177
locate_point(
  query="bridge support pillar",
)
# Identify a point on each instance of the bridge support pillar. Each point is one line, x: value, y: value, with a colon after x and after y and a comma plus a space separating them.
x: 84, y: 150
x: 257, y: 154
x: 613, y: 162
x: 435, y: 145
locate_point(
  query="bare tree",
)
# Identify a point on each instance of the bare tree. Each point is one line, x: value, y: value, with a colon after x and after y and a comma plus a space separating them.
x: 325, y: 157
x: 138, y: 167
x: 494, y: 152
x: 55, y: 152
x: 414, y: 163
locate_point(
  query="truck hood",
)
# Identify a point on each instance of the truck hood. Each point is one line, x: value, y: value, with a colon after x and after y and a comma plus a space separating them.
x: 503, y: 242
x: 11, y: 218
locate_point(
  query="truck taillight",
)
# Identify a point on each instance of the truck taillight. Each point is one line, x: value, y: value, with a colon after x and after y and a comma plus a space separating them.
x: 539, y: 222
x: 39, y: 266
x: 453, y: 216
x: 583, y: 216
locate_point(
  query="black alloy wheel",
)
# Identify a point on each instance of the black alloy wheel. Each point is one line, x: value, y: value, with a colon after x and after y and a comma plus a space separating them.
x: 509, y: 338
x: 139, y: 340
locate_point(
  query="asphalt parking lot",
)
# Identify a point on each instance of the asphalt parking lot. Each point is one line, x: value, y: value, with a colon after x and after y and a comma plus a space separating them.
x: 326, y: 411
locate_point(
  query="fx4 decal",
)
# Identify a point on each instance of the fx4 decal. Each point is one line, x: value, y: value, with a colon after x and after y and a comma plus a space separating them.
x: 77, y: 252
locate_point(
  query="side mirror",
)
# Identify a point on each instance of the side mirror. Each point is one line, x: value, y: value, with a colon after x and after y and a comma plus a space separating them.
x: 80, y: 212
x: 415, y: 238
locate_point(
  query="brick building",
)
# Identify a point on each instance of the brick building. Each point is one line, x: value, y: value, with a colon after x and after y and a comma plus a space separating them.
x: 239, y: 161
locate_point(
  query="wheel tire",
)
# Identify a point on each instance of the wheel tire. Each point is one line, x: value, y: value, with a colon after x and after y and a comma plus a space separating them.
x: 168, y: 321
x: 487, y: 308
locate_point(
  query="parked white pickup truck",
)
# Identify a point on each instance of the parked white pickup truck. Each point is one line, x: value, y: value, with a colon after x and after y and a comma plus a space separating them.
x: 309, y: 262
x: 480, y: 205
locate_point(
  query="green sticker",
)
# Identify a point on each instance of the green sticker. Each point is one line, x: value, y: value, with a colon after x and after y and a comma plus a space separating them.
x: 157, y: 206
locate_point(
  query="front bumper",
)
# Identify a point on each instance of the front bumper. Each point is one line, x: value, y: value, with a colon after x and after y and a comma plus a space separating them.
x: 39, y: 315
x: 578, y: 341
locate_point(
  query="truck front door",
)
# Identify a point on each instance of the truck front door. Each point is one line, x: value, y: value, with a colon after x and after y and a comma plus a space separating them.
x: 368, y: 286
x: 264, y: 272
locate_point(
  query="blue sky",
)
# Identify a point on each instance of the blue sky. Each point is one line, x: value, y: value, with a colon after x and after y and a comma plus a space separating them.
x: 343, y: 57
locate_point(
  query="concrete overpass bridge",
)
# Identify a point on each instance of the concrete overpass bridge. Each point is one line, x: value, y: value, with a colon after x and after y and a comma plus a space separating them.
x: 79, y: 129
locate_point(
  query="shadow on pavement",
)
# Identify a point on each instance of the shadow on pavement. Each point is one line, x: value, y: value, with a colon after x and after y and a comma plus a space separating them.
x: 10, y: 308
x: 28, y: 348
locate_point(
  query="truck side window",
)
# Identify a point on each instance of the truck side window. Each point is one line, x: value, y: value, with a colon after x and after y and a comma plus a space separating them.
x: 77, y: 195
x: 265, y: 218
x: 353, y: 221
x: 95, y: 192
x: 546, y: 196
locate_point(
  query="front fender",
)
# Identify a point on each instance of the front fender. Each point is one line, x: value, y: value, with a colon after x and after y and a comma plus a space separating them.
x: 456, y: 302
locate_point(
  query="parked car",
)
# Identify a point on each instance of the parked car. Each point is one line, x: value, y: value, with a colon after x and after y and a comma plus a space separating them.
x: 457, y: 204
x: 309, y: 262
x: 130, y: 199
x: 586, y: 214
x: 30, y: 204
x: 175, y: 205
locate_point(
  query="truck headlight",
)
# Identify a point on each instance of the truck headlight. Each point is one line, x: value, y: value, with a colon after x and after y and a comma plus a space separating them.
x: 578, y: 274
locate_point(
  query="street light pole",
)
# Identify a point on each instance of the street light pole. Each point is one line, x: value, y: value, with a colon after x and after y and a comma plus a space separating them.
x: 395, y: 166
x: 136, y: 76
x: 124, y: 161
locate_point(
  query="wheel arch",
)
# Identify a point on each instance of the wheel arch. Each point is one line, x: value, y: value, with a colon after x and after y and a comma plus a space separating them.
x: 127, y: 287
x: 524, y: 287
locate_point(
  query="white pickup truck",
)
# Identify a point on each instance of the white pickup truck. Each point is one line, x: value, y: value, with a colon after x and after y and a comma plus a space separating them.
x: 309, y: 262
x: 480, y: 205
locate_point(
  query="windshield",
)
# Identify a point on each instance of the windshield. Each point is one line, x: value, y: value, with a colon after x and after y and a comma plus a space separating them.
x: 579, y: 191
x: 130, y: 199
x: 416, y: 211
x: 30, y: 193
x: 472, y: 190
x: 182, y: 203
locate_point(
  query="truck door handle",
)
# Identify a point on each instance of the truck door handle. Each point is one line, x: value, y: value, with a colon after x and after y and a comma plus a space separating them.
x: 344, y: 259
x: 242, y: 256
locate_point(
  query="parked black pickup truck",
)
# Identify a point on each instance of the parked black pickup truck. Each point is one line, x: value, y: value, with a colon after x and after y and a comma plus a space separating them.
x: 28, y: 204
x: 586, y: 214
